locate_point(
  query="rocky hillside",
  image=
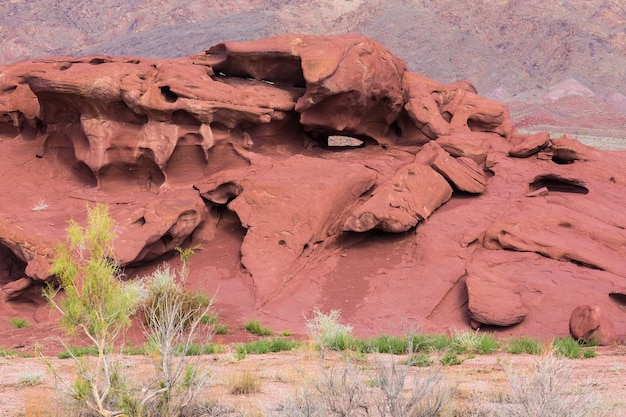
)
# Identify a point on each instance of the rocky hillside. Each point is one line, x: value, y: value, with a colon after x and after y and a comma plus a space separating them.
x: 504, y: 47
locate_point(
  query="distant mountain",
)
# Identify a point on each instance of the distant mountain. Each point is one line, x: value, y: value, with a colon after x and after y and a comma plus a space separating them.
x: 505, y: 47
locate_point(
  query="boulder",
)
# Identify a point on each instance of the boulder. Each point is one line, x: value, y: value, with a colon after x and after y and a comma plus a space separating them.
x: 463, y: 173
x: 566, y: 149
x: 588, y: 324
x: 398, y: 204
x: 530, y: 145
x: 494, y: 300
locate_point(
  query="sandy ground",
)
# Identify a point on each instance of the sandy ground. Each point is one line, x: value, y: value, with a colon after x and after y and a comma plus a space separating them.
x: 28, y: 387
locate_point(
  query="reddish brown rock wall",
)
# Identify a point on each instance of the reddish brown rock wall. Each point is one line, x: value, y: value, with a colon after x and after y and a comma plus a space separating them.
x: 227, y: 152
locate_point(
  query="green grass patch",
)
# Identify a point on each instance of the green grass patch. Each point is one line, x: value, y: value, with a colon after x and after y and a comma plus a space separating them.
x: 589, y: 353
x: 473, y: 342
x: 196, y: 349
x: 78, y: 351
x: 421, y: 360
x: 523, y: 345
x: 381, y: 344
x: 18, y: 323
x: 567, y: 348
x: 220, y: 328
x: 8, y: 353
x: 258, y: 347
x: 254, y: 327
x: 450, y: 358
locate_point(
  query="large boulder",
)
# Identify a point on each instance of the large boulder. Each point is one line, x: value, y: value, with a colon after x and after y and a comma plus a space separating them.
x: 588, y: 324
x: 398, y: 204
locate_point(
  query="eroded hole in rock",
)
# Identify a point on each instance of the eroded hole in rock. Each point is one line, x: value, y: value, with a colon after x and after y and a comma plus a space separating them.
x: 183, y: 118
x: 282, y: 242
x: 342, y: 141
x: 124, y: 114
x: 168, y: 94
x: 11, y: 267
x: 447, y: 116
x: 140, y: 221
x: 618, y: 298
x: 560, y: 184
x: 187, y: 159
x: 61, y: 146
x: 98, y: 61
x: 144, y: 174
x: 561, y: 161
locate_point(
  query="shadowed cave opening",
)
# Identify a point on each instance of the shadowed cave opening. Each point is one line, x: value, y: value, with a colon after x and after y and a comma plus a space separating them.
x: 560, y: 184
x: 618, y: 298
x: 168, y: 94
x: 11, y: 267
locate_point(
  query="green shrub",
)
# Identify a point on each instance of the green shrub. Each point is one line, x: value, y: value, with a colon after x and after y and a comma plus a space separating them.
x: 327, y: 331
x: 567, y: 348
x: 254, y: 326
x: 524, y: 345
x: 174, y: 325
x: 18, y: 323
x: 96, y: 302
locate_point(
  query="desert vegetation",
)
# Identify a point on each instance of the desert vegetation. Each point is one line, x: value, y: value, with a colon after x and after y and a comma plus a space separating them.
x: 337, y: 373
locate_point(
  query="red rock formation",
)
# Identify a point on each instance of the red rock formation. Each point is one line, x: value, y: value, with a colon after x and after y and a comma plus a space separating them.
x: 227, y: 152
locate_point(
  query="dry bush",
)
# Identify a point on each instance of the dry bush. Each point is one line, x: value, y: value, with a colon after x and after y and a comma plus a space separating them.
x: 430, y: 395
x: 245, y: 383
x: 551, y: 389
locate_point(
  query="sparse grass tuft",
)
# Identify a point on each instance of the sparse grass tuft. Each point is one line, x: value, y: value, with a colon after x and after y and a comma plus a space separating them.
x: 29, y: 379
x: 8, y: 353
x: 244, y: 384
x: 254, y: 327
x: 78, y: 351
x: 18, y: 323
x: 41, y: 205
x: 473, y: 342
x: 450, y: 358
x: 524, y: 345
x: 589, y: 353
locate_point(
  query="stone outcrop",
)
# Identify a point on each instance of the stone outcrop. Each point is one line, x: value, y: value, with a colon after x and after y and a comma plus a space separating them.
x: 422, y: 213
x: 587, y: 324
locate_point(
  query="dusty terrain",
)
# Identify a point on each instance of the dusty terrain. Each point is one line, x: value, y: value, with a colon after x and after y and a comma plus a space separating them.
x: 28, y: 388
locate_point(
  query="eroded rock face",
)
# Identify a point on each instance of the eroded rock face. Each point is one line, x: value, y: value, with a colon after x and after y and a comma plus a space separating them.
x: 423, y: 216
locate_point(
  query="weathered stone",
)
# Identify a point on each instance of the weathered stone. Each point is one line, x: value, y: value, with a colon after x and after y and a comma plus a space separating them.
x: 397, y: 205
x: 588, y: 324
x: 530, y: 145
x: 494, y: 300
